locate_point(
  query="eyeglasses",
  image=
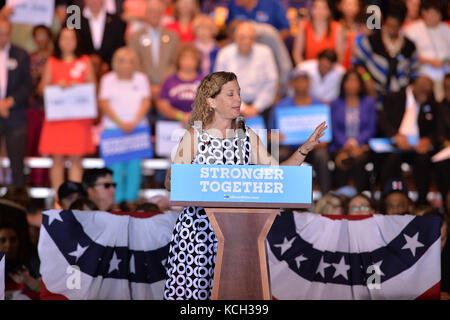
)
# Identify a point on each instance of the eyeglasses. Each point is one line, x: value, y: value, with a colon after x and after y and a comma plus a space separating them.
x: 107, y: 185
x: 360, y: 208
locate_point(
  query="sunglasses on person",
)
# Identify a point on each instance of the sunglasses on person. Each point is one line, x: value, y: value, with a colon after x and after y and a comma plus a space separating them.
x: 107, y: 185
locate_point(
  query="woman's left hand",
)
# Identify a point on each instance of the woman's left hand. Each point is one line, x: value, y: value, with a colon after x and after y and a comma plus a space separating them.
x: 313, y: 140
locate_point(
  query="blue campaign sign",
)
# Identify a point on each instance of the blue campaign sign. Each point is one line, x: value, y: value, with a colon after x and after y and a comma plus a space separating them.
x: 116, y: 146
x: 286, y: 186
x: 385, y: 145
x: 297, y: 124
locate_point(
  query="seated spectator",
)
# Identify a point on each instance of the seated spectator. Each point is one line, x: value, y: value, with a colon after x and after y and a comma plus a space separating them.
x: 184, y: 14
x: 22, y: 261
x: 360, y: 205
x: 263, y: 11
x: 325, y: 75
x: 300, y: 82
x: 124, y: 98
x: 69, y: 192
x: 386, y: 57
x: 409, y: 118
x: 255, y: 67
x: 351, y: 20
x: 101, y: 33
x: 83, y: 204
x: 330, y: 204
x: 178, y: 90
x: 432, y: 39
x: 443, y: 167
x: 205, y: 31
x: 395, y: 198
x: 100, y: 187
x: 318, y: 34
x: 354, y: 120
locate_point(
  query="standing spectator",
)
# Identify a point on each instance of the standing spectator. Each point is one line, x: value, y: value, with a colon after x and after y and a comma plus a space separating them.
x: 300, y: 82
x: 100, y: 187
x: 35, y: 113
x: 413, y: 11
x: 155, y: 46
x: 205, y: 31
x: 354, y: 120
x: 410, y: 114
x: 255, y: 67
x: 125, y: 101
x: 432, y: 39
x: 178, y: 91
x: 325, y: 74
x: 184, y: 13
x: 387, y: 57
x: 15, y: 89
x: 351, y: 12
x: 101, y: 33
x: 70, y: 139
x: 443, y: 167
x: 264, y: 11
x: 318, y: 34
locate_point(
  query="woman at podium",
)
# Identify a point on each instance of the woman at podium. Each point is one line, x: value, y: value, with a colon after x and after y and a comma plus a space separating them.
x: 216, y: 135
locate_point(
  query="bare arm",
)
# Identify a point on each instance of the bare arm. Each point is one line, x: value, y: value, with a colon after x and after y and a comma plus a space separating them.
x: 340, y: 44
x: 167, y: 110
x: 299, y: 45
x: 185, y: 153
x: 46, y: 79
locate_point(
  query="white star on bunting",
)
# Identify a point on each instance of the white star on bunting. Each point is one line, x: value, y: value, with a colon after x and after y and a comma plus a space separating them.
x: 412, y: 243
x: 341, y: 269
x: 78, y: 252
x: 286, y: 245
x: 322, y: 266
x: 52, y: 216
x: 377, y: 268
x: 299, y: 260
x: 114, y: 263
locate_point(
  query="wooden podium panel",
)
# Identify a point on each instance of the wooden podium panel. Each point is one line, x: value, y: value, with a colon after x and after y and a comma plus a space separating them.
x: 241, y: 271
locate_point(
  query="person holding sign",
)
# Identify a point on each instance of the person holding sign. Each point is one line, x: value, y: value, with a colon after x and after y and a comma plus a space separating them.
x: 64, y: 139
x: 213, y: 137
x: 125, y: 100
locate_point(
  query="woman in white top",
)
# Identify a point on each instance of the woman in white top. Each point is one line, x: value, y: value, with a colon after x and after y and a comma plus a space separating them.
x: 124, y: 99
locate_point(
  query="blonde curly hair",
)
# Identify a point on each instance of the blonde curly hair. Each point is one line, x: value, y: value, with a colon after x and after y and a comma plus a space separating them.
x: 210, y: 87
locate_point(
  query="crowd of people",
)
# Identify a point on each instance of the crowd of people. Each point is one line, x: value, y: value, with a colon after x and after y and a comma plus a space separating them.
x: 147, y: 58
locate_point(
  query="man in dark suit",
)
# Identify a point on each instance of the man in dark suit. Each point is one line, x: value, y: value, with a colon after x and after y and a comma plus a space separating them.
x: 15, y: 88
x: 101, y: 33
x: 410, y: 115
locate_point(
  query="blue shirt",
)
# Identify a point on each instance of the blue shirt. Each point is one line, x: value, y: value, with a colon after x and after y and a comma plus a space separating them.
x: 266, y: 11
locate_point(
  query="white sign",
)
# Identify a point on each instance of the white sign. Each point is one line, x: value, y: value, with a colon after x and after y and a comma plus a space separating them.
x: 75, y: 102
x: 33, y: 12
x: 168, y: 135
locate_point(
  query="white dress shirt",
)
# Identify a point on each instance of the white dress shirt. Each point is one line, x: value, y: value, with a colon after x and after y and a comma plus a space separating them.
x: 323, y: 88
x: 155, y: 39
x: 97, y: 26
x: 409, y: 126
x: 4, y: 58
x: 257, y: 73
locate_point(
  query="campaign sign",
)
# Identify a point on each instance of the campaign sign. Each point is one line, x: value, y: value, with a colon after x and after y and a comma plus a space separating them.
x: 116, y: 146
x: 385, y: 145
x: 241, y: 185
x: 258, y: 125
x: 168, y: 136
x: 32, y: 12
x: 76, y: 102
x: 297, y: 124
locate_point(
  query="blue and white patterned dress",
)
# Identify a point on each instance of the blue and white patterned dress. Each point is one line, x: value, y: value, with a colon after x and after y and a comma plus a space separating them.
x: 192, y: 252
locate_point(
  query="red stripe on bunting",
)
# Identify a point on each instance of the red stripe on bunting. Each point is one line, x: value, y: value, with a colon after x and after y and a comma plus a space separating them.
x: 140, y: 215
x: 434, y: 293
x: 47, y: 295
x: 348, y: 217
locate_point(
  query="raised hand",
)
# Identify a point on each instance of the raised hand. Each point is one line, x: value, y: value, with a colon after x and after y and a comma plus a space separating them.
x: 313, y: 140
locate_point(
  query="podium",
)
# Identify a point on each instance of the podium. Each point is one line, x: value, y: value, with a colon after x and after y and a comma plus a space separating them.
x: 241, y: 203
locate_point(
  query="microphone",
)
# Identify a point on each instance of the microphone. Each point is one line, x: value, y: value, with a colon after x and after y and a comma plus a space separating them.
x: 240, y: 127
